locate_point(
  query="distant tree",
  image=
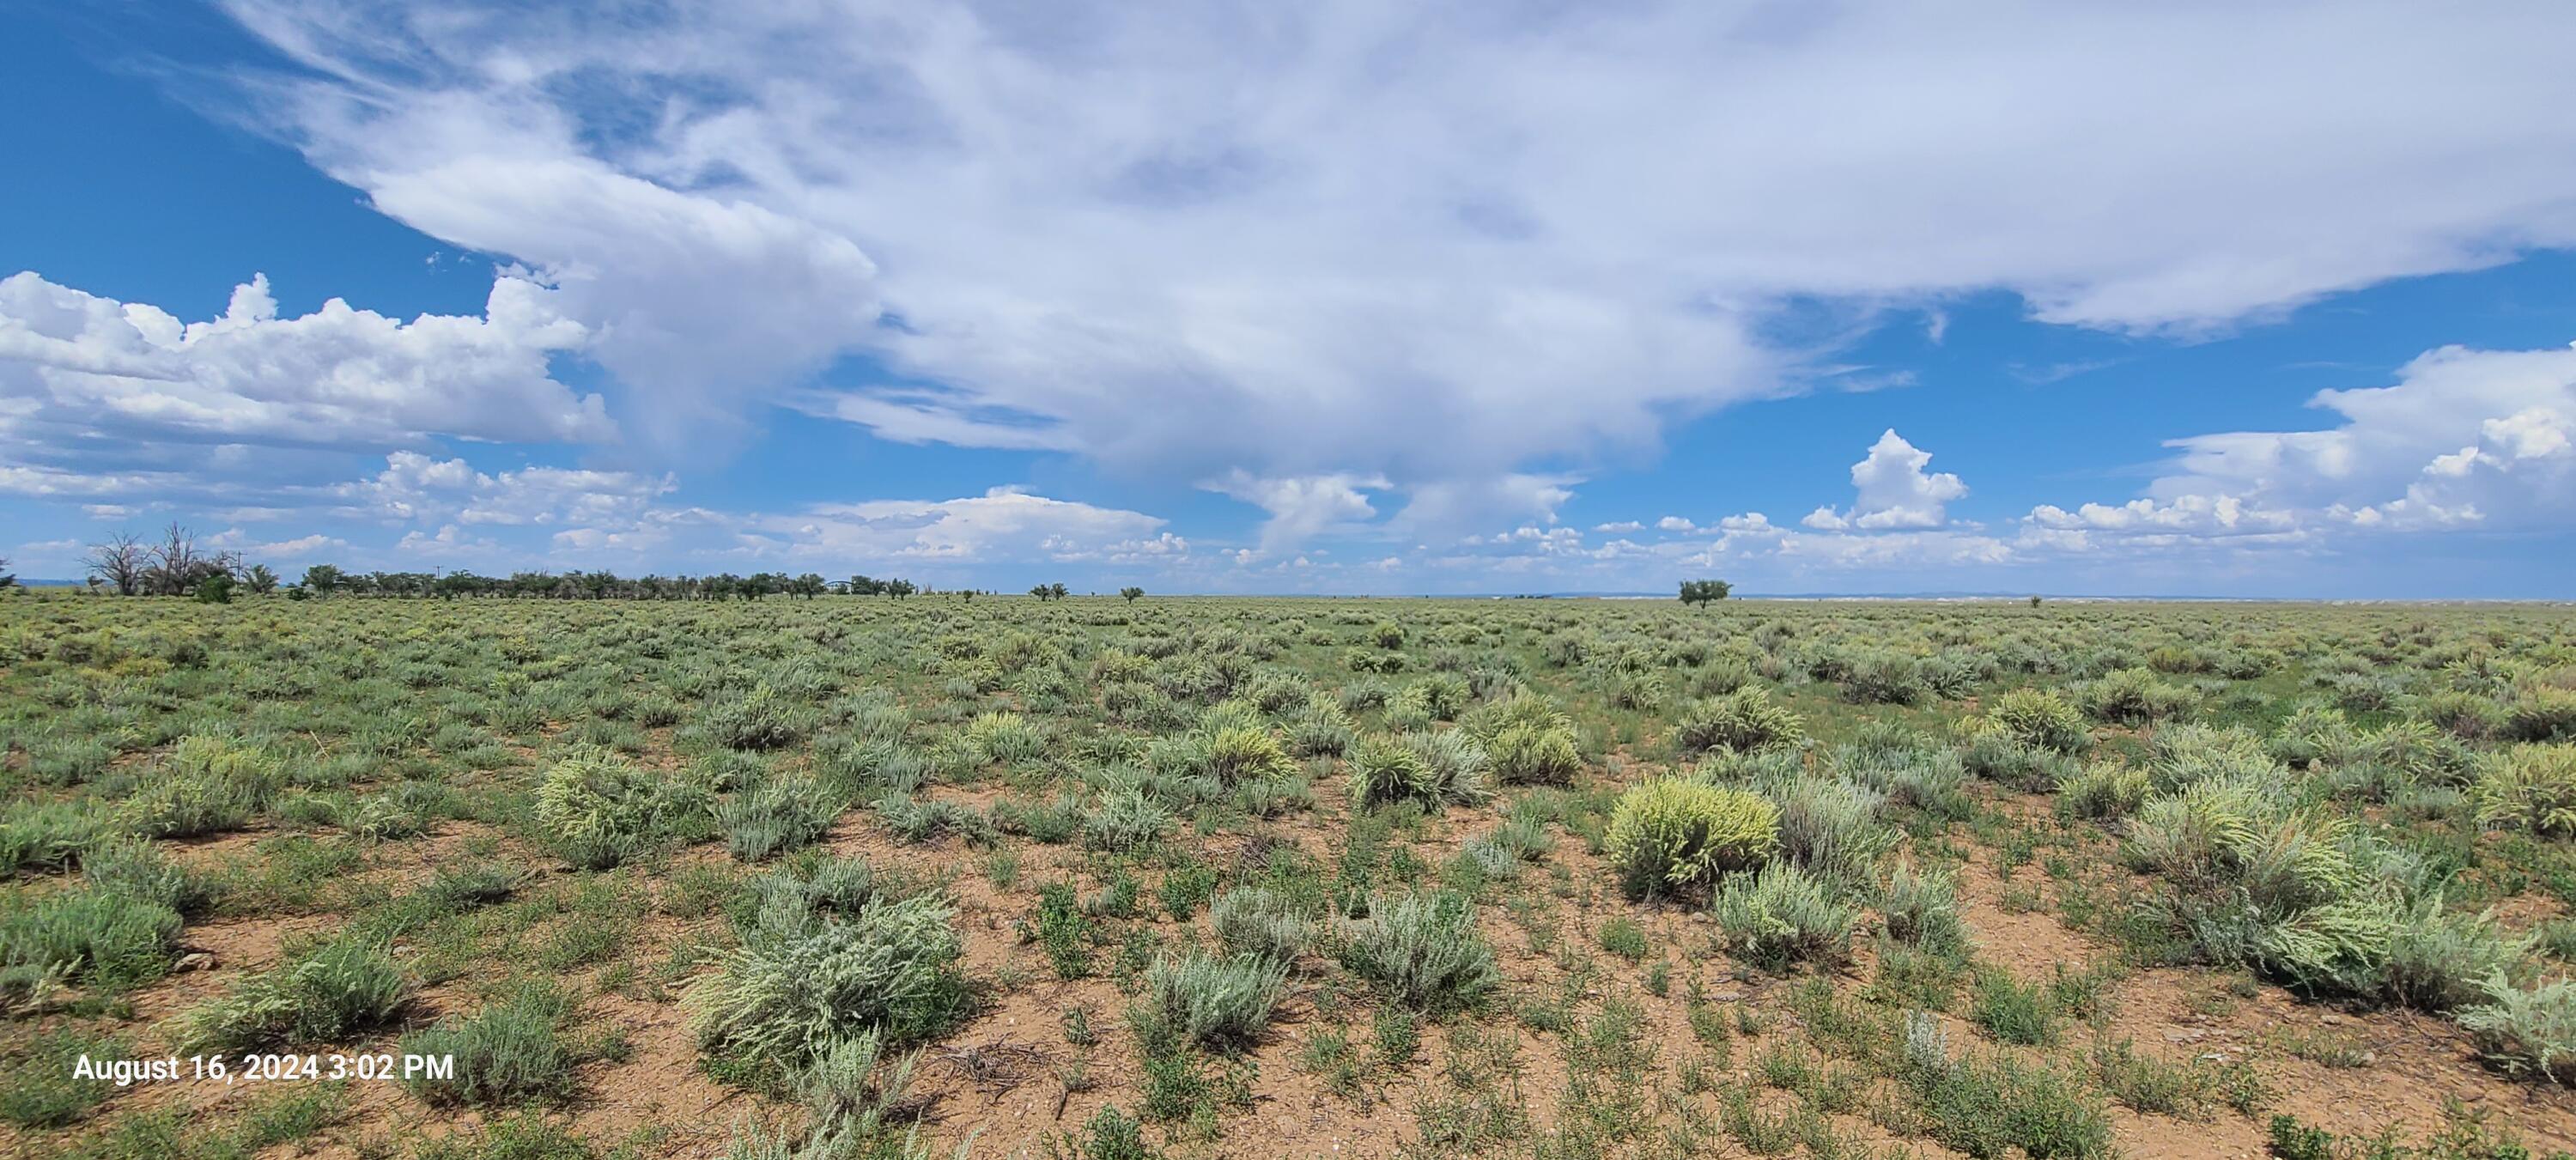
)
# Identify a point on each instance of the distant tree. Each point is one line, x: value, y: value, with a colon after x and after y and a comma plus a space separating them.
x: 1703, y: 591
x: 261, y: 580
x: 900, y: 588
x: 323, y: 579
x: 8, y: 579
x: 809, y: 586
x: 299, y: 592
x: 1057, y: 591
x: 1040, y: 591
x: 120, y: 561
x: 1131, y: 592
x: 2034, y: 601
x: 215, y: 589
x: 178, y: 565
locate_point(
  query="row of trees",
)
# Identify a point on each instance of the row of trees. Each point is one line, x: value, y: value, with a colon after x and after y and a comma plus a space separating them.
x: 177, y: 566
x: 327, y: 580
x: 1059, y: 592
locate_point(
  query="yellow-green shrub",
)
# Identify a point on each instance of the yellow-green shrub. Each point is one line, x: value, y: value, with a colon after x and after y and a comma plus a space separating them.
x: 2531, y: 787
x: 2041, y: 719
x: 1674, y: 832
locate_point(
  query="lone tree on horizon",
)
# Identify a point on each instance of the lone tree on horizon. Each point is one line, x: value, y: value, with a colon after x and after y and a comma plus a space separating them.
x: 1131, y: 592
x: 1703, y: 591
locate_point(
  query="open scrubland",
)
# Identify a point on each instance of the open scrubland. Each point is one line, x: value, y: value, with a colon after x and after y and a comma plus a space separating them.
x: 1102, y: 878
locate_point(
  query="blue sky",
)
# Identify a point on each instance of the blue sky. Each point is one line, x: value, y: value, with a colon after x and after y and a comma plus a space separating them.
x: 1860, y: 297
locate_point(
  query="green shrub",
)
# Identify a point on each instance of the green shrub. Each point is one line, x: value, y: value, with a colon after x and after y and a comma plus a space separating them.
x: 756, y: 720
x: 1258, y: 921
x: 1921, y: 909
x: 1247, y: 753
x: 2013, y: 1012
x: 1988, y: 1106
x: 2135, y: 697
x: 2041, y: 719
x: 1003, y: 739
x: 2530, y: 787
x: 2526, y: 1029
x: 1423, y: 949
x: 596, y: 809
x: 1880, y: 678
x: 1214, y: 1002
x: 105, y: 938
x: 510, y: 1052
x: 2540, y: 713
x: 48, y: 835
x: 2438, y: 961
x: 1673, y: 832
x: 1528, y: 755
x: 1320, y: 729
x: 918, y: 820
x: 1064, y: 931
x: 2103, y: 791
x: 1780, y: 916
x: 1125, y: 819
x: 1454, y: 768
x: 777, y: 815
x: 1622, y: 936
x: 208, y: 784
x: 326, y: 996
x: 37, y: 1086
x: 139, y: 869
x: 1745, y: 721
x: 1386, y: 770
x: 1109, y: 1134
x: 1828, y: 825
x: 799, y: 983
x: 1995, y: 757
x: 2339, y: 947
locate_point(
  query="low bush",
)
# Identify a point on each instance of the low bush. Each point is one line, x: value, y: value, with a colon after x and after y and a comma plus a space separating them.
x: 801, y: 982
x: 1247, y: 753
x: 1672, y: 833
x: 1213, y: 1002
x: 1528, y: 755
x: 1994, y: 1106
x: 1921, y: 909
x: 2103, y: 791
x: 1780, y: 916
x: 1125, y: 819
x: 1258, y: 921
x: 138, y: 869
x: 104, y: 938
x: 1829, y: 825
x: 2439, y: 961
x: 1745, y: 721
x: 596, y: 809
x: 38, y: 1087
x: 2135, y: 697
x: 759, y: 719
x: 328, y: 995
x: 775, y: 816
x: 510, y: 1052
x: 2526, y: 1029
x: 2529, y: 787
x: 1423, y: 949
x: 208, y: 784
x: 48, y: 835
x: 2041, y: 719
